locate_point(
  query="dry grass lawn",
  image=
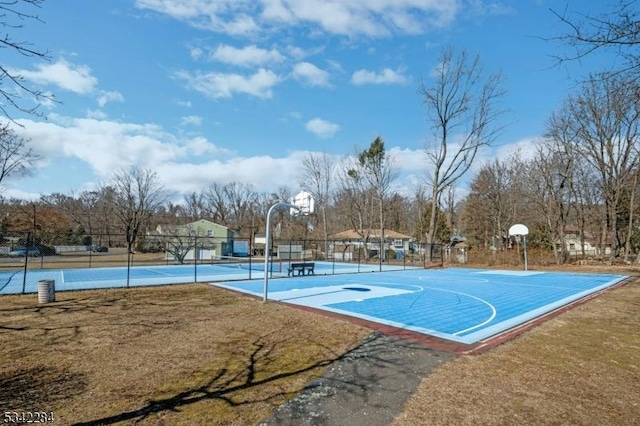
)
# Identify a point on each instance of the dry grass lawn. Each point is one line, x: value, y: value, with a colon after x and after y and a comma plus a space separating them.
x: 174, y: 355
x: 582, y: 367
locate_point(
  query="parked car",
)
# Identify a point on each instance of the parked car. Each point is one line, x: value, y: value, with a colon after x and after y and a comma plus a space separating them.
x: 22, y: 252
x: 99, y: 249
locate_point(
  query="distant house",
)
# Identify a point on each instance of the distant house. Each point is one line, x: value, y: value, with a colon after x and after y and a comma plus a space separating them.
x: 345, y: 243
x: 579, y: 244
x: 201, y: 240
x: 457, y: 250
x: 259, y: 242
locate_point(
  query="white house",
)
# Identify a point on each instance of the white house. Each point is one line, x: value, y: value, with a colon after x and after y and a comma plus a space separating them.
x: 577, y: 246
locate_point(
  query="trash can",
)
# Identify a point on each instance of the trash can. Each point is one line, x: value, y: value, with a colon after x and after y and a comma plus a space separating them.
x: 399, y: 254
x: 46, y: 291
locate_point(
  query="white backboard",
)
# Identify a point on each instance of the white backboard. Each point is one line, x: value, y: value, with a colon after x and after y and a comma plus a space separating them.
x: 518, y: 229
x: 305, y: 203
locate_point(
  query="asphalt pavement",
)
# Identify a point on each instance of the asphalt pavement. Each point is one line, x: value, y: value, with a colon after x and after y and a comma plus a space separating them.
x: 368, y: 386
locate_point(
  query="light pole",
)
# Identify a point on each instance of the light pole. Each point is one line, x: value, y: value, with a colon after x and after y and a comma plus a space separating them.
x: 267, y: 250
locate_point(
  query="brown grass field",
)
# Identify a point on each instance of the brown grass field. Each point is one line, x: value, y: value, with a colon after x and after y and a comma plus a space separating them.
x: 173, y: 355
x: 194, y: 354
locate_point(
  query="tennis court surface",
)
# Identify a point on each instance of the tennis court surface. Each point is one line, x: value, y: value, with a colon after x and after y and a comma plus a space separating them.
x: 16, y: 281
x: 456, y: 304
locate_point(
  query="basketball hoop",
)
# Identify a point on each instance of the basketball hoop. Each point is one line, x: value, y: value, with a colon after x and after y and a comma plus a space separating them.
x: 305, y: 208
x: 521, y: 230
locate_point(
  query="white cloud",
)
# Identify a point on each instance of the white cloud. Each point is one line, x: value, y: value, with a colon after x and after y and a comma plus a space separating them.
x: 267, y: 173
x: 193, y: 120
x: 225, y: 16
x: 104, y: 145
x: 296, y: 52
x: 200, y: 146
x: 183, y: 165
x: 247, y: 56
x: 410, y: 160
x: 220, y: 85
x: 310, y: 74
x: 322, y: 128
x: 67, y: 76
x: 386, y: 76
x: 355, y: 17
x: 196, y: 53
x: 97, y: 114
x: 9, y: 193
x: 186, y: 165
x: 524, y: 149
x: 106, y: 97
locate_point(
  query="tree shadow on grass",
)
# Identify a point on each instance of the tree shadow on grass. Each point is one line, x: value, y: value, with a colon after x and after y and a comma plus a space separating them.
x: 99, y: 309
x: 224, y: 384
x: 35, y: 389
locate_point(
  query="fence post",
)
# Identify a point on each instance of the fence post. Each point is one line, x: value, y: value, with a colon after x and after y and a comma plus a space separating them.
x: 195, y: 258
x: 128, y: 264
x: 381, y: 254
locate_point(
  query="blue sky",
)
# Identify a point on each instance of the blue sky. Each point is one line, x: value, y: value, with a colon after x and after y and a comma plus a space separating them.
x: 206, y: 91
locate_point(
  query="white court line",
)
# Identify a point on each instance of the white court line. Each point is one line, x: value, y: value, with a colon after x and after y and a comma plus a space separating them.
x: 62, y: 275
x: 505, y: 272
x: 514, y: 284
x: 493, y: 309
x: 160, y: 273
x: 419, y: 288
x: 456, y: 279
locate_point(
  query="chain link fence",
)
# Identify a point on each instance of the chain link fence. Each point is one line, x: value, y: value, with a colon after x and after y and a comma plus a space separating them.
x: 103, y: 261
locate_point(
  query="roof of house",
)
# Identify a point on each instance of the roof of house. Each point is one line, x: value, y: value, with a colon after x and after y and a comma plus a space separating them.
x: 350, y: 234
x: 164, y: 229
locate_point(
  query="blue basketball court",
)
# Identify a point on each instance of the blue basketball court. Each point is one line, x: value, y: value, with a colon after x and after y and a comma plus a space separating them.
x: 457, y: 304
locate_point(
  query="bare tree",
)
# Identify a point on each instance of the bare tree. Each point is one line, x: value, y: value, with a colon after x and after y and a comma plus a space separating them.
x: 137, y: 195
x: 461, y: 108
x: 633, y: 188
x: 181, y: 240
x: 194, y: 206
x: 317, y: 179
x: 617, y: 30
x: 490, y: 206
x: 241, y: 196
x: 216, y: 203
x: 549, y: 175
x: 16, y: 158
x: 605, y: 117
x: 13, y: 14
